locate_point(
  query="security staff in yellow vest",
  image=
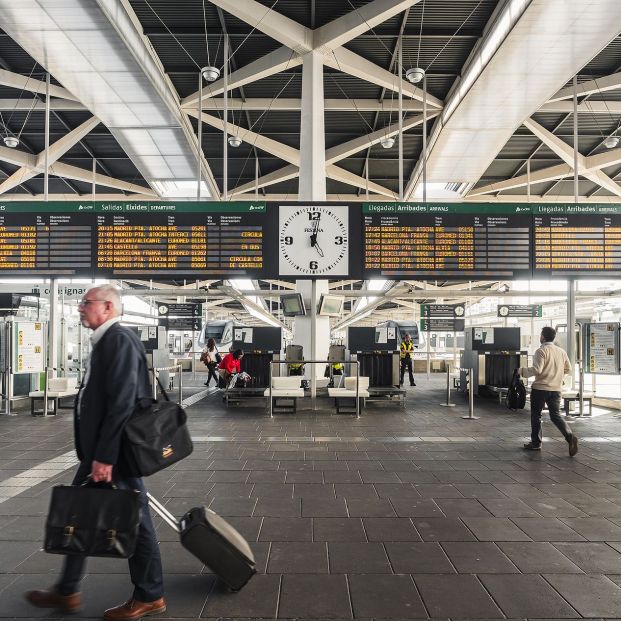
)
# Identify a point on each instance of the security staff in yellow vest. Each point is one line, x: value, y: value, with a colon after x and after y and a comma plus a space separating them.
x: 405, y: 353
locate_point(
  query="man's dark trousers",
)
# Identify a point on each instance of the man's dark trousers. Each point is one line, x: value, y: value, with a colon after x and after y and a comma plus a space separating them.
x: 145, y: 566
x: 538, y: 400
x: 406, y: 363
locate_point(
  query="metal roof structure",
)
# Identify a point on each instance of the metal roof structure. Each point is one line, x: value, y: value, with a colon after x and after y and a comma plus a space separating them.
x: 445, y: 37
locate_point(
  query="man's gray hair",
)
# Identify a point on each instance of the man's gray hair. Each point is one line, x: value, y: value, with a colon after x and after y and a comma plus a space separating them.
x: 110, y: 293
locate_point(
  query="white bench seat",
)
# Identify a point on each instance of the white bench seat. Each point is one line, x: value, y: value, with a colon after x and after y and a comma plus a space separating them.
x: 57, y: 388
x: 285, y: 389
x: 343, y: 396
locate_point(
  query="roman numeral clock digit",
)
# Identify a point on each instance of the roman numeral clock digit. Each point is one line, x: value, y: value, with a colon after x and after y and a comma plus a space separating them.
x: 313, y: 240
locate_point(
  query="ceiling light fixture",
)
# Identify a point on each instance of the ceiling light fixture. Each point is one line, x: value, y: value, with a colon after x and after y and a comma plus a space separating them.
x: 210, y: 74
x: 235, y: 141
x: 611, y: 142
x: 415, y: 75
x: 387, y: 142
x: 11, y: 141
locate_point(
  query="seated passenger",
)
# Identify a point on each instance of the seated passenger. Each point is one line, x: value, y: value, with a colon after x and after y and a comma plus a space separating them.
x: 230, y: 366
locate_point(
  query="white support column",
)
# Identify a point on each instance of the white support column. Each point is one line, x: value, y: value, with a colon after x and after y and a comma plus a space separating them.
x: 571, y: 320
x: 46, y: 178
x: 54, y: 326
x: 312, y: 130
x: 312, y: 332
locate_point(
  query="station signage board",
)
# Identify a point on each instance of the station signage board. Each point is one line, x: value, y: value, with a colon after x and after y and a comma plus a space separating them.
x: 179, y: 310
x: 442, y: 324
x: 519, y: 310
x: 442, y: 310
x: 192, y: 324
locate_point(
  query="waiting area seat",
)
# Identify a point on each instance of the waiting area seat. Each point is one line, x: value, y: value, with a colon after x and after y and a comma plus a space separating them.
x: 573, y: 395
x: 343, y: 397
x: 57, y: 389
x: 285, y: 393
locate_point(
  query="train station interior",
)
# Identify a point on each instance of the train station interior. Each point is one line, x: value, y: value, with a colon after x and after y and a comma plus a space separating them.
x: 374, y: 207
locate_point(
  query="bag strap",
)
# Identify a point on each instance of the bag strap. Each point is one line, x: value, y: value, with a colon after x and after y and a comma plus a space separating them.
x: 164, y: 393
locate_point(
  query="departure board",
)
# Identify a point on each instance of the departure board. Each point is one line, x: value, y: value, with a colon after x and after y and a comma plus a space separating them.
x: 577, y: 239
x: 54, y: 244
x: 450, y: 241
x: 187, y: 239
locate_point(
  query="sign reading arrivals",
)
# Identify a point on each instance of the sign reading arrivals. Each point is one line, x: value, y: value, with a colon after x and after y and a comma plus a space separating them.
x: 519, y: 310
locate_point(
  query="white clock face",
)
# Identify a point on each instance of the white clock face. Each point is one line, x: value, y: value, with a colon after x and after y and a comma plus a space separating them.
x: 504, y: 311
x: 314, y: 240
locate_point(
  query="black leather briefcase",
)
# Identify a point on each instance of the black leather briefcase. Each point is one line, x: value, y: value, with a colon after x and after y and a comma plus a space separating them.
x: 155, y: 437
x: 92, y: 520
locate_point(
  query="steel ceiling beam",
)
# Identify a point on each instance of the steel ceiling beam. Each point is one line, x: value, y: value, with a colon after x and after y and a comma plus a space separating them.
x: 599, y: 85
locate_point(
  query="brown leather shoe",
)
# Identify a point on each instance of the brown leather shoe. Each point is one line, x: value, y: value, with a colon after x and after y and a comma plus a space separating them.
x: 133, y: 609
x: 68, y: 604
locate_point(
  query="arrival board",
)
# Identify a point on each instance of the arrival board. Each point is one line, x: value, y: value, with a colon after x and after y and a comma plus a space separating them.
x: 453, y: 241
x: 577, y: 240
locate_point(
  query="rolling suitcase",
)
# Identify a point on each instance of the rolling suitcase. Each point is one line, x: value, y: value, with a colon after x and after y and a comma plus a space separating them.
x: 213, y: 541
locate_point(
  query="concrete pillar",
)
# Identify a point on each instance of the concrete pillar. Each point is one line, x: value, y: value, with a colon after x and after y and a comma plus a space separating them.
x: 571, y: 320
x: 312, y: 332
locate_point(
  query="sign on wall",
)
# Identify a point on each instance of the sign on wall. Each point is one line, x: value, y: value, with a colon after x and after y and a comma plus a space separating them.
x: 29, y: 349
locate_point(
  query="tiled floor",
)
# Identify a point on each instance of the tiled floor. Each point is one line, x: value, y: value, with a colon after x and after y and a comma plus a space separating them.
x: 401, y: 514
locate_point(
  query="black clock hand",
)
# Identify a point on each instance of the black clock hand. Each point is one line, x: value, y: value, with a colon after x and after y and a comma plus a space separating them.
x: 318, y: 249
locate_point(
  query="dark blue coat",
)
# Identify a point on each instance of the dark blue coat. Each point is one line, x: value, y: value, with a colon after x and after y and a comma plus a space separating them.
x: 118, y: 379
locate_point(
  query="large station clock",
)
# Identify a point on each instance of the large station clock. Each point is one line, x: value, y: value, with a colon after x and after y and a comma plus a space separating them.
x: 314, y: 240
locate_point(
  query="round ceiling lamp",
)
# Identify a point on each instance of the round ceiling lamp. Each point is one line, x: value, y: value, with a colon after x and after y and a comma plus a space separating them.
x: 415, y: 75
x: 210, y: 74
x: 387, y: 142
x: 235, y: 141
x: 611, y: 142
x: 11, y: 141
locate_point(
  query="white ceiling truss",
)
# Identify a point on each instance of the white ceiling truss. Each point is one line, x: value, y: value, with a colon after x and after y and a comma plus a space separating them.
x: 478, y: 118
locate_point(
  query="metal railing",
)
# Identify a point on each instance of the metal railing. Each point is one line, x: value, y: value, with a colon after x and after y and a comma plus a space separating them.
x: 313, y: 388
x: 448, y: 403
x: 471, y: 415
x: 156, y: 370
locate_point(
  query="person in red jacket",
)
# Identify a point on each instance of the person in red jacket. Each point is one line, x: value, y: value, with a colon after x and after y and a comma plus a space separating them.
x: 231, y: 364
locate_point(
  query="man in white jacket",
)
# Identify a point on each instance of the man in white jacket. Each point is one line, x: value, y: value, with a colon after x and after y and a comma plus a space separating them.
x: 550, y: 365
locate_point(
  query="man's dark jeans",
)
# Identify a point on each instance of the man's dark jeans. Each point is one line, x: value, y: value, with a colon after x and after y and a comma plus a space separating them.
x: 538, y: 400
x: 406, y: 364
x: 145, y: 566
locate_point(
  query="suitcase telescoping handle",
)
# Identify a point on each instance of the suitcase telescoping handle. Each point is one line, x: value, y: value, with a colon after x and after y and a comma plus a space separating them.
x: 164, y: 513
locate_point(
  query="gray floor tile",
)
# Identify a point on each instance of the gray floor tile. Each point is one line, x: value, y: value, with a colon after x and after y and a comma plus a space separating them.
x: 595, y: 529
x: 298, y: 558
x: 338, y: 529
x: 418, y: 558
x: 547, y: 529
x: 590, y: 595
x: 478, y: 558
x: 281, y: 507
x: 380, y: 508
x: 227, y: 507
x: 358, y: 558
x: 538, y: 558
x: 527, y: 596
x: 456, y: 596
x: 508, y: 507
x: 554, y: 507
x: 390, y: 529
x: 442, y: 529
x: 479, y: 490
x: 346, y: 490
x: 396, y: 491
x: 286, y: 529
x: 495, y: 529
x: 416, y: 508
x: 259, y: 598
x: 324, y: 597
x: 438, y: 490
x: 324, y: 507
x: 392, y: 597
x: 342, y: 477
x: 462, y: 507
x: 592, y: 558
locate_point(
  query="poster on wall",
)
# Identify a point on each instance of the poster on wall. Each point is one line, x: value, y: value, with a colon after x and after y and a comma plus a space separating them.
x: 29, y: 356
x: 602, y: 355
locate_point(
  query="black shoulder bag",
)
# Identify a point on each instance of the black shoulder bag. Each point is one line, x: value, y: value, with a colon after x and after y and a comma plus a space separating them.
x: 155, y: 436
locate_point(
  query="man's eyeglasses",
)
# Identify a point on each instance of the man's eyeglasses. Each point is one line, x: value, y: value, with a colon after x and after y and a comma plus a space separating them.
x: 86, y: 302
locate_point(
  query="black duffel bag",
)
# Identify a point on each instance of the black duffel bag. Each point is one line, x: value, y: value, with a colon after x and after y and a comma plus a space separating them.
x: 155, y: 437
x: 93, y: 520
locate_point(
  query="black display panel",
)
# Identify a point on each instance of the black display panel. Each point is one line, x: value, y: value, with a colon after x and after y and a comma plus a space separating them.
x: 452, y: 241
x: 577, y: 240
x: 48, y: 243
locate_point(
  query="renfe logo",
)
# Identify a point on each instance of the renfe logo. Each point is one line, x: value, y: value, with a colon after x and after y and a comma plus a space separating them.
x: 167, y: 451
